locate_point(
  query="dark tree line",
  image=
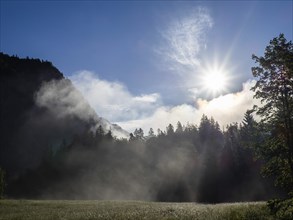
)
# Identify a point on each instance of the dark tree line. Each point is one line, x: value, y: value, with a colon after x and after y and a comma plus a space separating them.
x: 274, y: 87
x: 185, y: 163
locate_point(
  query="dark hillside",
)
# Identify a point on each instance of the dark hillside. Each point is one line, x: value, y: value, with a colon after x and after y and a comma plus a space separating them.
x: 54, y: 146
x: 27, y: 128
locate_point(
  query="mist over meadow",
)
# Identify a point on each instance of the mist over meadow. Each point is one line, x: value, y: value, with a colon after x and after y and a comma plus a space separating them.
x: 146, y: 109
x: 55, y: 146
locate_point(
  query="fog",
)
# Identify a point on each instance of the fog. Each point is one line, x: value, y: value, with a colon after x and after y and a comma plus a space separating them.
x: 199, y: 163
x: 55, y: 146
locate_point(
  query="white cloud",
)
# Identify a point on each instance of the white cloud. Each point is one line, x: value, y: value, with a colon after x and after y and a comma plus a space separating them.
x: 225, y: 109
x: 112, y: 100
x: 152, y: 98
x: 62, y: 99
x: 230, y: 107
x: 186, y: 37
x: 184, y: 41
x: 162, y: 117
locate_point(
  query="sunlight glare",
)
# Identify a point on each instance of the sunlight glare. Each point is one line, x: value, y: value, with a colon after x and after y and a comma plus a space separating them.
x: 214, y: 80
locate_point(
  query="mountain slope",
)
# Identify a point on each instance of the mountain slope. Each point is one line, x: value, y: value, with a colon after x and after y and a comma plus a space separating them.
x: 39, y: 110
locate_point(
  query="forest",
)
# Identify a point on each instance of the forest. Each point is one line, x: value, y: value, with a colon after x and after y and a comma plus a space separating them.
x: 185, y: 163
x: 45, y: 157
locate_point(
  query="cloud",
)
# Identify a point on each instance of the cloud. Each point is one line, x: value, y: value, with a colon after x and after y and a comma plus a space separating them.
x: 230, y: 107
x: 61, y: 98
x: 225, y: 109
x: 183, y: 43
x: 112, y: 100
x: 186, y: 37
x: 162, y: 117
x: 64, y: 101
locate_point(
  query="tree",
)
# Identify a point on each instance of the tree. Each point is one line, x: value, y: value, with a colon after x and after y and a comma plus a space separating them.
x: 99, y: 135
x: 109, y: 135
x: 151, y: 132
x: 248, y: 130
x: 170, y: 129
x: 210, y: 145
x: 209, y: 130
x: 131, y: 137
x: 160, y: 132
x: 138, y: 134
x: 2, y: 182
x: 100, y: 132
x: 179, y: 128
x: 274, y: 87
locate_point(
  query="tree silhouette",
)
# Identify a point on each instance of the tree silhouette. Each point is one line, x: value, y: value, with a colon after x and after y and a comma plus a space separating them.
x: 170, y: 129
x: 2, y: 182
x: 151, y: 132
x: 274, y: 87
x: 179, y: 128
x: 138, y: 134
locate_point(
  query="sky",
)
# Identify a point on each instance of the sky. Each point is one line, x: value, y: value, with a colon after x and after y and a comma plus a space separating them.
x: 150, y: 63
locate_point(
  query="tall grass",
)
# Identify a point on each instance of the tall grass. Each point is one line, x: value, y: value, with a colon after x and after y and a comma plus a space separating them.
x: 45, y: 210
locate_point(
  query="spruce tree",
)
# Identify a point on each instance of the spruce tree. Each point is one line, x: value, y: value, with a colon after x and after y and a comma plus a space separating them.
x: 274, y: 87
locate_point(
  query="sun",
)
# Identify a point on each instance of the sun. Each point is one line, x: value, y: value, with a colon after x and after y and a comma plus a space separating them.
x: 214, y: 80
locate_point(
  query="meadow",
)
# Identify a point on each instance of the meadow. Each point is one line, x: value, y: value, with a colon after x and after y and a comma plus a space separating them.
x: 77, y: 209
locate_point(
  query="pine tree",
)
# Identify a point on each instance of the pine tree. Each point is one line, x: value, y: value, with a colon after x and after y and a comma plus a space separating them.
x: 2, y: 182
x: 274, y: 87
x: 170, y: 129
x: 179, y: 128
x: 151, y: 132
x: 138, y: 134
x: 248, y: 131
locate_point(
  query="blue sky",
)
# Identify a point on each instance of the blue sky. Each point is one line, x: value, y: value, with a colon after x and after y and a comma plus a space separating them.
x: 153, y: 52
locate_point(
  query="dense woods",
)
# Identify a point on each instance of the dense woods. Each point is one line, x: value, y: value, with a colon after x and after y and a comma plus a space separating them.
x: 72, y: 158
x: 185, y: 163
x: 39, y: 109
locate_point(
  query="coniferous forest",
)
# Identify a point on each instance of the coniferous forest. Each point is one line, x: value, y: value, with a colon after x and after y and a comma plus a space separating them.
x: 47, y: 156
x: 185, y: 163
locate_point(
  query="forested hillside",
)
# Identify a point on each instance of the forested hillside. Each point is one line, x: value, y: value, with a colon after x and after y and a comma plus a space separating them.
x: 54, y: 146
x: 39, y: 110
x: 186, y: 163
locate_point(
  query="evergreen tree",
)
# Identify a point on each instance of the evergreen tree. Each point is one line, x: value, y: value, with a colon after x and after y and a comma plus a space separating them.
x: 138, y: 134
x: 274, y: 87
x: 2, y: 182
x: 204, y: 128
x: 151, y: 132
x: 211, y: 141
x: 131, y: 137
x: 249, y: 131
x: 160, y: 132
x: 179, y: 128
x: 100, y: 131
x: 170, y: 129
x: 109, y: 135
x: 99, y: 136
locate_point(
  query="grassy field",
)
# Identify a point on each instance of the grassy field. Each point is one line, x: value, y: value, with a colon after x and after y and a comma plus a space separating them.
x: 44, y: 209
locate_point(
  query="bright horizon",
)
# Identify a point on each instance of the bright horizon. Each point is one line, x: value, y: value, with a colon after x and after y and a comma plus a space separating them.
x: 148, y: 64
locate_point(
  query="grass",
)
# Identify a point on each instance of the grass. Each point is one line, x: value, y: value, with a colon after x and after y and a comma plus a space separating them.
x: 59, y: 209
